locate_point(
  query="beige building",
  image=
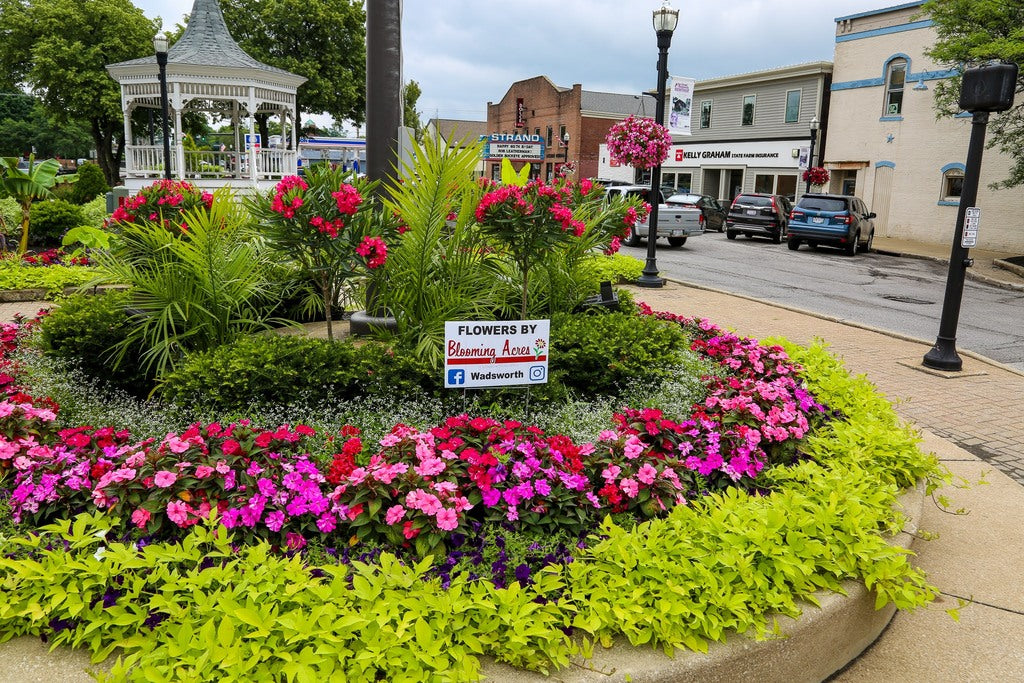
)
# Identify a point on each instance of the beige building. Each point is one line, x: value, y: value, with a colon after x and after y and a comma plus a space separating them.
x: 886, y: 145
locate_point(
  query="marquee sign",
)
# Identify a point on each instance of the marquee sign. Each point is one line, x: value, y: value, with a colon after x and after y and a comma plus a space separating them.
x: 513, y: 147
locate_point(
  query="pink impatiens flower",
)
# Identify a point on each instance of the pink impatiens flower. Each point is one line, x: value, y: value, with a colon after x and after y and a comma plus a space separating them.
x: 447, y: 520
x: 163, y: 478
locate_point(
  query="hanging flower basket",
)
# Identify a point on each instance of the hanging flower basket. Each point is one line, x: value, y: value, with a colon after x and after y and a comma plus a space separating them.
x: 638, y: 142
x: 816, y: 175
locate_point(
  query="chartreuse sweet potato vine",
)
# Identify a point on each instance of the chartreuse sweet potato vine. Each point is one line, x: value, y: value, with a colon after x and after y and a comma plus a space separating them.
x: 203, y: 609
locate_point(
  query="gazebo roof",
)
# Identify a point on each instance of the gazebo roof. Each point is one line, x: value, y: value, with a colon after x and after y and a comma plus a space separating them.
x: 207, y: 42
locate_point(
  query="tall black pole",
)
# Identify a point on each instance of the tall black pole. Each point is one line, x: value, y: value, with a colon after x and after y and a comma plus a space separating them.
x: 383, y: 87
x: 161, y: 60
x: 650, y: 277
x: 943, y: 355
x: 810, y: 158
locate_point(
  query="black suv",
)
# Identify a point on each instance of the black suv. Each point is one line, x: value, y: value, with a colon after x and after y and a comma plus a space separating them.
x: 835, y: 219
x: 758, y: 214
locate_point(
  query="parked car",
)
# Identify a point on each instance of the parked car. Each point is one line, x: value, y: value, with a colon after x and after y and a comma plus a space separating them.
x: 714, y: 213
x: 674, y: 222
x: 758, y: 214
x: 834, y: 219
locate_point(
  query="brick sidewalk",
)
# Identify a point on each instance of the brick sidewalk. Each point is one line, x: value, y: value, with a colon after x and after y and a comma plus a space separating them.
x: 980, y: 409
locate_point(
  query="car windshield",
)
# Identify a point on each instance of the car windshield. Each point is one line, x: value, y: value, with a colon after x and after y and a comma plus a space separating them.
x: 823, y: 203
x: 747, y: 200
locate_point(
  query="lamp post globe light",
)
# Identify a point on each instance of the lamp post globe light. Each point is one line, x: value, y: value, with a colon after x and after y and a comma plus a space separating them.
x: 665, y: 20
x: 160, y: 45
x: 565, y: 141
x: 815, y: 124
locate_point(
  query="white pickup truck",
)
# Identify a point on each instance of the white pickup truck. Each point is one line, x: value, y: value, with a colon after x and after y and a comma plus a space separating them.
x: 674, y: 223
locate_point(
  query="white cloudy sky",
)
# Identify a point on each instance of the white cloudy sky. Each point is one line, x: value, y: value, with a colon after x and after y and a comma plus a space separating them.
x: 464, y: 53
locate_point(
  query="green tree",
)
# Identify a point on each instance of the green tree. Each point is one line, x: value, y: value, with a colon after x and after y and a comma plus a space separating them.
x: 975, y: 32
x: 323, y: 40
x: 411, y: 118
x: 27, y: 186
x: 60, y: 49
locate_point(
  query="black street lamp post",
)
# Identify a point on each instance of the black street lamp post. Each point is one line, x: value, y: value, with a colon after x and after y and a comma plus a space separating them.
x: 810, y: 153
x: 160, y: 45
x: 665, y: 20
x: 983, y: 89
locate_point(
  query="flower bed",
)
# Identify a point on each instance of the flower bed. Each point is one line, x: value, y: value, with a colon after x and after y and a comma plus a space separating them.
x: 741, y: 512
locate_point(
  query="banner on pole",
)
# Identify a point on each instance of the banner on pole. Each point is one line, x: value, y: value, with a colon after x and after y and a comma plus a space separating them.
x: 680, y: 104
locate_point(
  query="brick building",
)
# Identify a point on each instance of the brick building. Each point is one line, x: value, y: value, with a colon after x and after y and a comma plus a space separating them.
x: 537, y: 107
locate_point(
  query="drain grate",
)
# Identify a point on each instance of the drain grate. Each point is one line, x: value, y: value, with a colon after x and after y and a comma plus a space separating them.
x: 907, y: 299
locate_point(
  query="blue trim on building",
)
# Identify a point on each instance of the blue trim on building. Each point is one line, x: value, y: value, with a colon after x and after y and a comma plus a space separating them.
x: 943, y: 202
x: 871, y: 13
x: 875, y: 82
x: 954, y: 166
x: 887, y: 164
x: 890, y: 118
x: 912, y: 26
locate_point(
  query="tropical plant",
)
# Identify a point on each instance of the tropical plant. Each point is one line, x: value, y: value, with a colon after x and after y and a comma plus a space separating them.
x: 323, y: 223
x: 190, y: 290
x: 440, y: 267
x: 27, y: 186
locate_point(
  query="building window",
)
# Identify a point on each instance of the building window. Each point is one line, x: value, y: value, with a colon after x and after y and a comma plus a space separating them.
x: 549, y: 136
x: 895, y: 79
x: 792, y: 106
x: 952, y: 184
x: 705, y: 114
x: 561, y: 133
x: 748, y: 110
x: 764, y: 184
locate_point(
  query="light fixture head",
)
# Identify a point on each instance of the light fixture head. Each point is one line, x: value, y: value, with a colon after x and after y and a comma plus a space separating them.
x: 160, y: 43
x: 665, y: 18
x: 815, y: 124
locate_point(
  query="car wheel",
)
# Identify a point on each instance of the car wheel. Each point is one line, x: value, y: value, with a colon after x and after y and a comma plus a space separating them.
x: 730, y: 234
x: 851, y: 248
x: 631, y: 239
x: 777, y: 237
x: 676, y: 241
x: 793, y: 243
x: 871, y: 241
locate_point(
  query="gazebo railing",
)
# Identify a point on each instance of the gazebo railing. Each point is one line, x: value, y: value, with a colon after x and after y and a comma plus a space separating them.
x: 147, y: 161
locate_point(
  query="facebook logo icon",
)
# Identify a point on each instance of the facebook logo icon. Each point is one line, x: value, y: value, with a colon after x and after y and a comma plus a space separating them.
x: 456, y: 377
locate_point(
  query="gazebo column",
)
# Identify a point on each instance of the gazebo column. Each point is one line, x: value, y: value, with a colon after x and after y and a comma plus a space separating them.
x: 250, y: 148
x: 179, y: 146
x: 129, y: 141
x: 237, y: 171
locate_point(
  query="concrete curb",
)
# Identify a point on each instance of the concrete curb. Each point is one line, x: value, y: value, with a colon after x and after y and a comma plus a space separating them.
x: 821, y: 642
x: 1006, y: 265
x: 848, y: 323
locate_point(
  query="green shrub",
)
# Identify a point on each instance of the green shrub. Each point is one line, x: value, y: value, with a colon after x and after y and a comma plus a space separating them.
x: 615, y: 269
x: 91, y: 184
x: 85, y: 328
x: 601, y: 353
x: 10, y: 218
x: 271, y: 369
x: 49, y: 220
x: 95, y: 212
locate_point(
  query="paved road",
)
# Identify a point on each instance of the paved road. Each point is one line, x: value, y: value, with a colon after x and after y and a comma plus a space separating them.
x: 894, y: 293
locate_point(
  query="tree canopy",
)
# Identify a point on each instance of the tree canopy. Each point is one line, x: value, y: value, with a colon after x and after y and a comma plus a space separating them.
x: 972, y: 33
x: 323, y: 40
x: 60, y: 49
x: 410, y: 117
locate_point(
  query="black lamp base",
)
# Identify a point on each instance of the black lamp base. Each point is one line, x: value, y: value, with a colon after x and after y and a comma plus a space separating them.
x: 943, y: 356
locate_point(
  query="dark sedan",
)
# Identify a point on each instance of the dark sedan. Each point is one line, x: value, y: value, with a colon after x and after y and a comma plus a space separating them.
x: 714, y: 213
x: 758, y: 214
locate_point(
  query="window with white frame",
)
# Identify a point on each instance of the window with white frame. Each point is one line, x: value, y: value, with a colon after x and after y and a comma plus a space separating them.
x: 705, y: 114
x: 952, y: 184
x: 792, y: 106
x: 748, y: 110
x: 895, y: 80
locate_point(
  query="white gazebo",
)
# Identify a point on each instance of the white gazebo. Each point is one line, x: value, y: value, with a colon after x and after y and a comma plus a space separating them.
x: 208, y: 72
